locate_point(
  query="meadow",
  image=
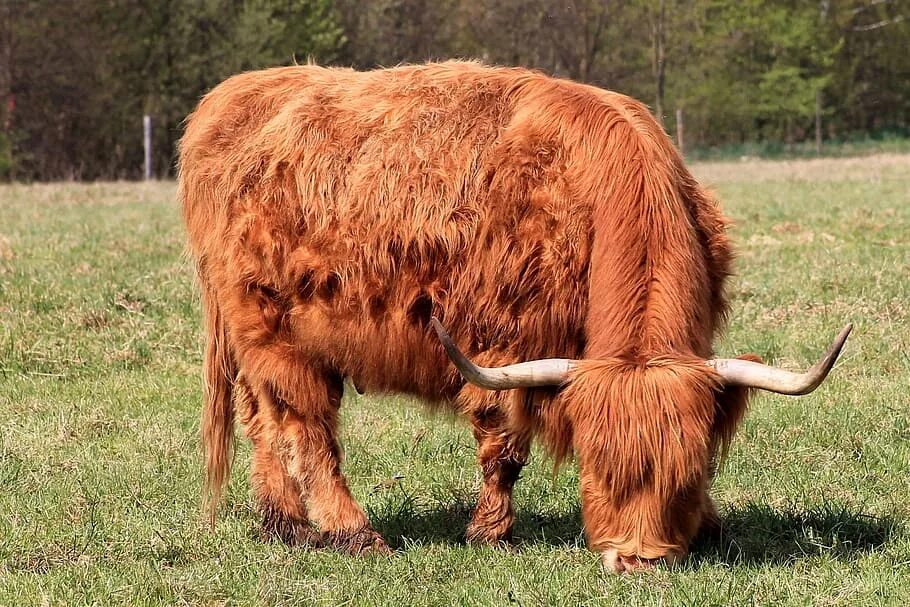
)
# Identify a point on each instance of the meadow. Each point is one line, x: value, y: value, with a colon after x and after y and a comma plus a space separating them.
x: 100, y: 390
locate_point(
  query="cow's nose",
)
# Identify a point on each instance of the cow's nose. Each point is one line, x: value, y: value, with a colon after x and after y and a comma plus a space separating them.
x: 621, y: 563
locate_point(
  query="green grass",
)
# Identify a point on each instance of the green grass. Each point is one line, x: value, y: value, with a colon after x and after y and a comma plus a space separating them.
x: 100, y: 363
x: 885, y: 142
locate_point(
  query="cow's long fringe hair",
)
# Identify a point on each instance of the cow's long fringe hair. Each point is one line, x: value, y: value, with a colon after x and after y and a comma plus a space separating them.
x: 642, y: 432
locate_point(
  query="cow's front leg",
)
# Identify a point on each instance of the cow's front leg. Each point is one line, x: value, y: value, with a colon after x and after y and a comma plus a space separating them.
x: 501, y: 454
x: 711, y: 525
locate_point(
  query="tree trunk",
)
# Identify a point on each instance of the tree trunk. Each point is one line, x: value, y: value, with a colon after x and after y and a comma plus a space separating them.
x: 6, y: 66
x: 658, y: 43
x: 818, y: 122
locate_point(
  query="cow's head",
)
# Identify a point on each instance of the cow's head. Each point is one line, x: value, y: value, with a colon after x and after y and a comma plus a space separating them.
x: 646, y: 436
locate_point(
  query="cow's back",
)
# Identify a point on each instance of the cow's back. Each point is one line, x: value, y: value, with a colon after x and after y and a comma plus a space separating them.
x: 355, y: 205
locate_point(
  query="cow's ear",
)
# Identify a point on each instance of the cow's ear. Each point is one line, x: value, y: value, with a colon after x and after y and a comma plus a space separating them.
x: 731, y: 408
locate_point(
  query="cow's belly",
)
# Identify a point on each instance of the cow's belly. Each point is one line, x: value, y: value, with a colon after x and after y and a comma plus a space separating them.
x: 387, y: 350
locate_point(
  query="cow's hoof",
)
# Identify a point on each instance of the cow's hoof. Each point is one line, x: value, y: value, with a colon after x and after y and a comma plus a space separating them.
x: 277, y: 527
x: 480, y: 535
x: 307, y: 537
x: 357, y: 542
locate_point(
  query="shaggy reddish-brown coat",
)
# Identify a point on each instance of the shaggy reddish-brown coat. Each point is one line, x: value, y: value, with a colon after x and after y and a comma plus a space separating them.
x: 332, y: 212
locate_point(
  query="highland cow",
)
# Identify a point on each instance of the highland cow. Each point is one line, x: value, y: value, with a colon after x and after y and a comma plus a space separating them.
x: 552, y: 229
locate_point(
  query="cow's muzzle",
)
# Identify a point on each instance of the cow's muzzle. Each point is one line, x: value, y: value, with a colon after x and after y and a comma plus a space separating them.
x: 621, y: 563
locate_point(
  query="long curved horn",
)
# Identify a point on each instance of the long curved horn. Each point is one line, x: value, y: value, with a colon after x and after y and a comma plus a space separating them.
x: 736, y: 372
x: 532, y: 374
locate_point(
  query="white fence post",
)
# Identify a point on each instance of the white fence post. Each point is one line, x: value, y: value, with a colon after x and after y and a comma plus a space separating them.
x: 147, y: 145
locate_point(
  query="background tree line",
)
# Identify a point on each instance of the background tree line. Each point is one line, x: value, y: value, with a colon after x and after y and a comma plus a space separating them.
x: 76, y: 76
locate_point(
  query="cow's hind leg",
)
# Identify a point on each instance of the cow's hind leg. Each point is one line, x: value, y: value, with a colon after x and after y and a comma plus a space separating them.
x: 313, y: 458
x: 277, y: 494
x: 501, y: 453
x: 306, y: 400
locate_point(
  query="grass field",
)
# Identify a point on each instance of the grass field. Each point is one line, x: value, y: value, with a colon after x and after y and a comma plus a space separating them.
x: 100, y: 352
x: 894, y: 142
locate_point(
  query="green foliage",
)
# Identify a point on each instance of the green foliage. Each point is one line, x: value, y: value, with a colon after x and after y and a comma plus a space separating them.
x: 82, y: 74
x: 762, y: 65
x: 277, y: 32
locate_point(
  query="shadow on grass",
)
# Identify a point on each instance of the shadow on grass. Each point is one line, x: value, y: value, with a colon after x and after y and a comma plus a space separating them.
x: 446, y: 524
x: 442, y: 524
x: 752, y: 534
x: 759, y: 534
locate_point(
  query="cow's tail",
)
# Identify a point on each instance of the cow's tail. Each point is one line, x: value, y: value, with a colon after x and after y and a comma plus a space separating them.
x: 218, y: 410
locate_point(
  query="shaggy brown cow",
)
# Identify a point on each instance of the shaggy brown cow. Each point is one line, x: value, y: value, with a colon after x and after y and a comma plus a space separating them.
x: 332, y: 213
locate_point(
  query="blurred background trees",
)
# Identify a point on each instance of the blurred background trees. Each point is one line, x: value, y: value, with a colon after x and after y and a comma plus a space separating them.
x: 76, y: 76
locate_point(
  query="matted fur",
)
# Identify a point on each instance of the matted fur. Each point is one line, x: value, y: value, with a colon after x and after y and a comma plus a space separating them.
x: 332, y: 212
x: 218, y: 413
x: 643, y: 433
